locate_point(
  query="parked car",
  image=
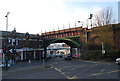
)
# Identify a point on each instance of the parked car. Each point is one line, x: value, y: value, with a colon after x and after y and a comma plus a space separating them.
x: 49, y: 56
x: 61, y: 55
x: 118, y: 60
x: 58, y: 54
x: 4, y: 65
x: 67, y: 57
x: 53, y: 55
x: 75, y: 56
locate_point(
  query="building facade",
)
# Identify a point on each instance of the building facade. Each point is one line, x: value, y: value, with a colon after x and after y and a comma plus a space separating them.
x: 20, y: 46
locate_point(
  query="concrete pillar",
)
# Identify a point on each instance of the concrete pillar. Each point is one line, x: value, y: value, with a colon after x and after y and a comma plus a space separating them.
x: 34, y: 54
x: 29, y: 61
x: 71, y: 51
x: 76, y: 51
x: 25, y: 55
x: 45, y: 52
x: 79, y: 52
x: 42, y: 53
x: 21, y: 55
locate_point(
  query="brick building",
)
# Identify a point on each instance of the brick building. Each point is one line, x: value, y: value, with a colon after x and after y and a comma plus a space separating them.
x: 23, y: 46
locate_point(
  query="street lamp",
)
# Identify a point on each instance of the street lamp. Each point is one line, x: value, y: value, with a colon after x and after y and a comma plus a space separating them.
x: 27, y: 35
x: 75, y: 24
x: 6, y: 58
x: 85, y: 28
x: 7, y: 20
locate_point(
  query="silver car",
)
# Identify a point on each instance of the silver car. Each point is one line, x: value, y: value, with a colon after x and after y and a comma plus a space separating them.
x: 118, y: 60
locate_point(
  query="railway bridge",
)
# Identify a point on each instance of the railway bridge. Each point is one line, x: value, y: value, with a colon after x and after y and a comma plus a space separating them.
x: 72, y: 37
x: 32, y: 46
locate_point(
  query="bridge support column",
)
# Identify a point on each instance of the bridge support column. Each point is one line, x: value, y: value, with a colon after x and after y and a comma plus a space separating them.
x: 25, y: 55
x: 45, y: 52
x: 34, y: 54
x: 79, y: 52
x: 21, y: 55
x: 41, y: 54
x: 71, y: 51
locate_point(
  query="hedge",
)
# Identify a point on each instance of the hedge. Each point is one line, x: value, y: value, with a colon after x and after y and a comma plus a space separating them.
x: 97, y: 55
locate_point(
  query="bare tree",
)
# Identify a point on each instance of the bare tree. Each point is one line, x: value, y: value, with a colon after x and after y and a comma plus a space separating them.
x: 104, y: 17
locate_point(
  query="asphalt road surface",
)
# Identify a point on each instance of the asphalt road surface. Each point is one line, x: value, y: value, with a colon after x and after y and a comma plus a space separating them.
x: 58, y: 68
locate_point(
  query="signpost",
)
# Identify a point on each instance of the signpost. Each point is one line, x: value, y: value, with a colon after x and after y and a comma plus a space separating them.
x: 103, y: 48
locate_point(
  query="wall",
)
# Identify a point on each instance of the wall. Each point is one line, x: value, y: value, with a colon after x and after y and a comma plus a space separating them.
x: 101, y: 34
x: 108, y: 34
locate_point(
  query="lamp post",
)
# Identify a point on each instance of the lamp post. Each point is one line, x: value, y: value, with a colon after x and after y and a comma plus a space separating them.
x: 75, y: 24
x: 27, y: 43
x: 7, y: 20
x: 85, y: 28
x: 6, y: 57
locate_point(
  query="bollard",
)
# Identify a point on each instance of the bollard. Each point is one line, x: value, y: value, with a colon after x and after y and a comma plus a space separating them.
x: 29, y: 61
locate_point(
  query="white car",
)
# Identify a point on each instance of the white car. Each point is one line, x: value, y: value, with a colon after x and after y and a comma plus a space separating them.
x: 118, y: 60
x: 58, y: 54
x: 3, y: 65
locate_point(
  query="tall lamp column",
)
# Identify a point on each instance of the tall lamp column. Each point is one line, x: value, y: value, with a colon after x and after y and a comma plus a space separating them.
x: 6, y: 57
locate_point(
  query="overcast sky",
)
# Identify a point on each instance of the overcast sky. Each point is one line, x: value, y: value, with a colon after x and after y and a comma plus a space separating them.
x: 36, y: 16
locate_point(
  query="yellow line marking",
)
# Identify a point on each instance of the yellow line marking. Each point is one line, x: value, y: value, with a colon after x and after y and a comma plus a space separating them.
x: 103, y: 73
x: 72, y: 77
x: 61, y: 72
x: 96, y: 74
x: 65, y: 75
x: 85, y: 70
x: 58, y: 69
x: 113, y: 71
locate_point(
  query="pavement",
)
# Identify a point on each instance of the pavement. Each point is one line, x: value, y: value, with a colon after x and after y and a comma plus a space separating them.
x: 25, y: 66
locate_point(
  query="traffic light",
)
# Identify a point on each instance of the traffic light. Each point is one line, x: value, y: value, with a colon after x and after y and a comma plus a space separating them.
x: 4, y: 50
x: 9, y: 51
x: 91, y: 15
x: 13, y: 50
